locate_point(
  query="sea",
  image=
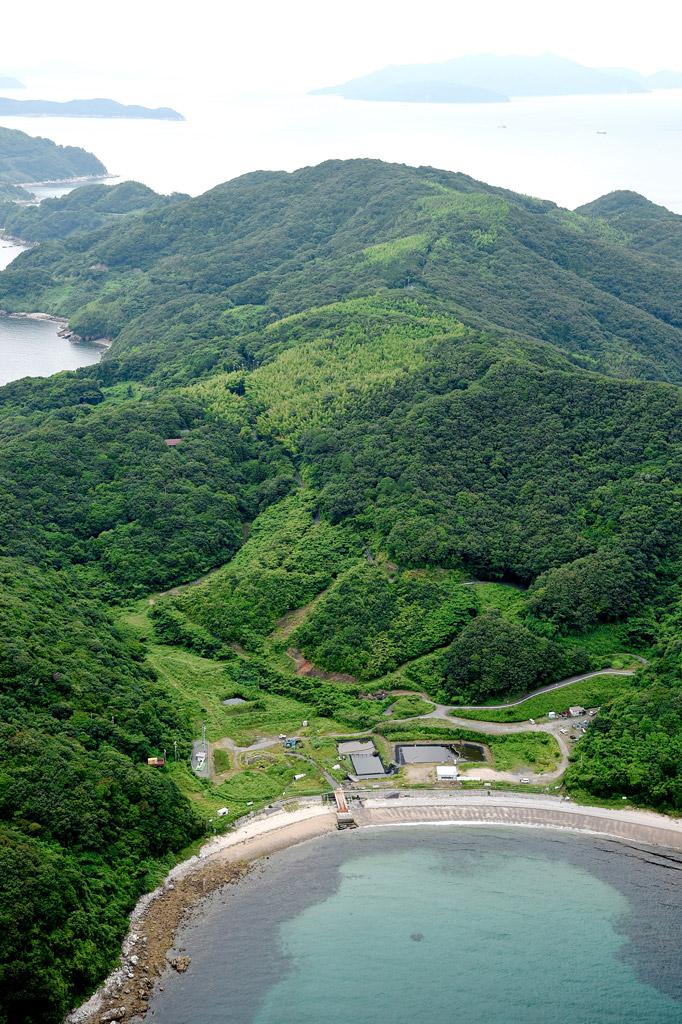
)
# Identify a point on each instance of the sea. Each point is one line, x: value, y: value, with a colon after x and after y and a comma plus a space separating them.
x: 33, y: 348
x: 567, y: 149
x: 570, y: 149
x: 437, y: 925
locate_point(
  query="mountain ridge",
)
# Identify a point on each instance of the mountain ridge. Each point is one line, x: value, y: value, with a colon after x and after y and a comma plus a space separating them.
x: 333, y: 397
x: 460, y: 229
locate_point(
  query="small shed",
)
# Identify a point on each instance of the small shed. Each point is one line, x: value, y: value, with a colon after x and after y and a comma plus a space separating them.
x: 447, y: 773
x: 576, y: 712
x: 173, y: 442
x: 156, y: 762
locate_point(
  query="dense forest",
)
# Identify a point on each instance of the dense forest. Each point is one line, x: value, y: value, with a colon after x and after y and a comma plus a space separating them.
x: 381, y: 384
x: 82, y: 209
x: 24, y: 158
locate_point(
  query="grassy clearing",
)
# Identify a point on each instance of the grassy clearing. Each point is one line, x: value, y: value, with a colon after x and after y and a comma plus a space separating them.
x: 200, y: 687
x: 536, y: 750
x: 268, y: 780
x: 221, y: 761
x: 510, y: 601
x: 387, y: 252
x: 607, y: 645
x: 589, y: 693
x: 409, y: 706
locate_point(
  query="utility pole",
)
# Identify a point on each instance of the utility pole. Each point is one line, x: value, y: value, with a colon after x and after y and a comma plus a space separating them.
x: 175, y: 750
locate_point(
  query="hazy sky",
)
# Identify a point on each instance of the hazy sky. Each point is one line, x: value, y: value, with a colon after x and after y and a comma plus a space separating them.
x: 299, y: 44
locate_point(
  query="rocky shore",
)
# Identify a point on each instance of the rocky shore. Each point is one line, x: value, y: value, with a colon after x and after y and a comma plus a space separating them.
x: 64, y: 329
x: 156, y: 918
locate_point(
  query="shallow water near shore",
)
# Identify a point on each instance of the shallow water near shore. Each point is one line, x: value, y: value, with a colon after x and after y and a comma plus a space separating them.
x: 437, y: 924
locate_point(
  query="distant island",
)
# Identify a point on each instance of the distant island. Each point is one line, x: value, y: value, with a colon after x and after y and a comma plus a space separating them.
x: 489, y: 78
x: 7, y: 82
x: 84, y: 108
x: 24, y: 158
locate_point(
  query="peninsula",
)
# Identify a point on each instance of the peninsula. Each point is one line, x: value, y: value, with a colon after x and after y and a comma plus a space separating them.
x: 25, y: 158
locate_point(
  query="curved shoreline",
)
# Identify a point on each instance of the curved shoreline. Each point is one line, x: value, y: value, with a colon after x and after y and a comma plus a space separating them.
x: 63, y: 325
x: 225, y: 859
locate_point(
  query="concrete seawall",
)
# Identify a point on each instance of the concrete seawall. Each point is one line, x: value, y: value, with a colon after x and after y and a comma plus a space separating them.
x: 629, y: 825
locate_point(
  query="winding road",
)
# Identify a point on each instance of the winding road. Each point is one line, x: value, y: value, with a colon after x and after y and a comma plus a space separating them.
x: 442, y: 713
x: 547, y: 689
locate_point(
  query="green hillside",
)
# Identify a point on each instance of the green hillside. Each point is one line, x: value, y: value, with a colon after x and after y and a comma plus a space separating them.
x: 382, y: 384
x: 24, y: 158
x: 86, y: 208
x: 286, y: 242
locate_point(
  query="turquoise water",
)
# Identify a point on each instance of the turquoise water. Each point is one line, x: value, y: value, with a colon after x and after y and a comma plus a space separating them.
x: 438, y: 925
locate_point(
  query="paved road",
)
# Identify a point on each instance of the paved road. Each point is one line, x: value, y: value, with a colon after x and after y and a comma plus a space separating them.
x: 442, y: 713
x: 547, y: 689
x: 505, y: 729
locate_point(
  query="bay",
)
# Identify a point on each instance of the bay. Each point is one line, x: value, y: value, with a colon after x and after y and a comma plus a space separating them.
x: 393, y: 926
x: 33, y: 348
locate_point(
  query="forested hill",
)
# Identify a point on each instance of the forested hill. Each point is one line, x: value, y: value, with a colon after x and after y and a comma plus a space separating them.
x: 24, y: 158
x: 346, y: 390
x: 284, y: 242
x: 85, y: 208
x: 640, y: 224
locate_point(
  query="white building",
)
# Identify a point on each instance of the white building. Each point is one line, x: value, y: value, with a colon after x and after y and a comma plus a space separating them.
x: 447, y: 772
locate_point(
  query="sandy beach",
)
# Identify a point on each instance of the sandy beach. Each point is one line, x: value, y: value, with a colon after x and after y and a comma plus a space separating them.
x: 225, y: 859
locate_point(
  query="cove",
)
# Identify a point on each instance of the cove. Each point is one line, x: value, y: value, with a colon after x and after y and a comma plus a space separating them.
x: 437, y: 924
x: 33, y: 348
